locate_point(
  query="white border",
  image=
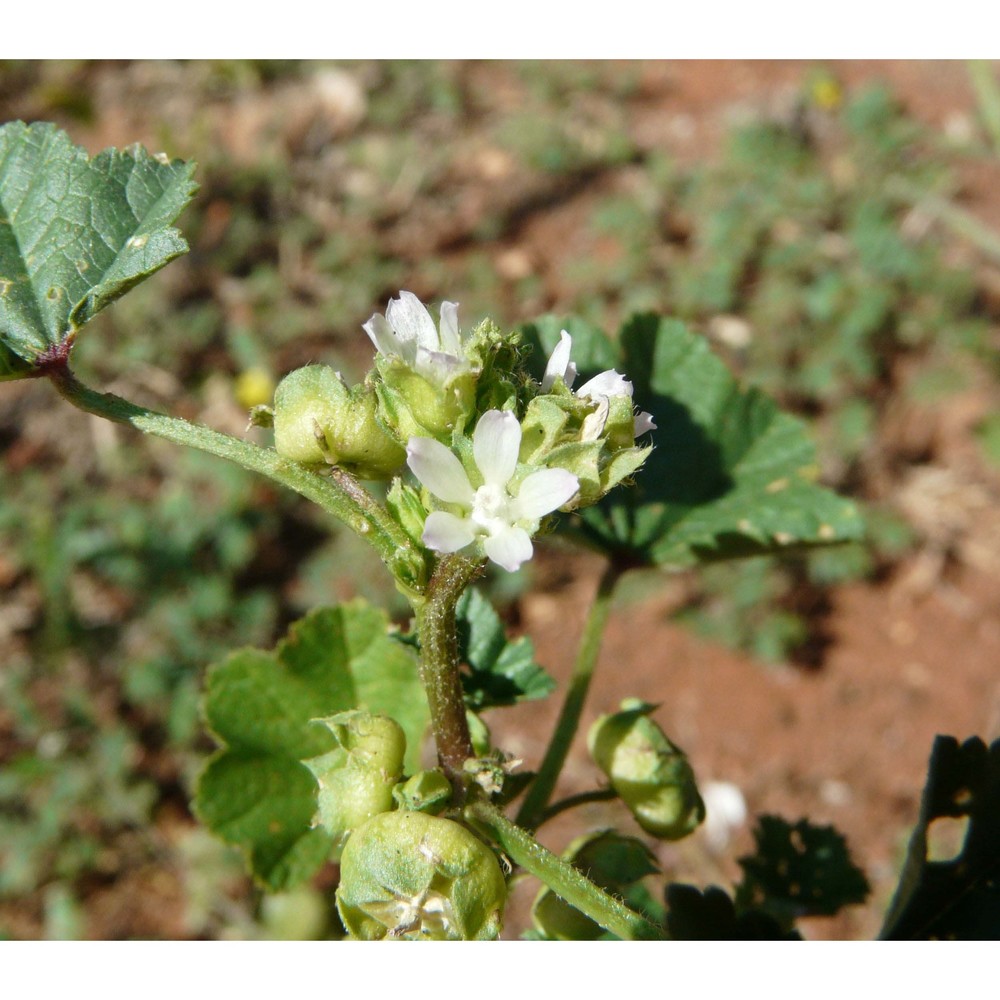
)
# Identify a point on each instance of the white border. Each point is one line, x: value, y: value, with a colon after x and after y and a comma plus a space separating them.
x: 448, y: 29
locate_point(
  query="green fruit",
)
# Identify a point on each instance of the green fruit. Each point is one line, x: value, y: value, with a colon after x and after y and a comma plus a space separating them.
x: 356, y: 779
x: 417, y: 877
x: 318, y: 419
x: 651, y: 775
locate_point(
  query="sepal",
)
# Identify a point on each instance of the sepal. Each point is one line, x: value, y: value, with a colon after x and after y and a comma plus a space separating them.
x: 592, y: 438
x: 425, y: 791
x: 413, y: 406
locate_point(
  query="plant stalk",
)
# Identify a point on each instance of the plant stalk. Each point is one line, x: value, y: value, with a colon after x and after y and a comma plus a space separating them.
x: 439, y: 664
x: 560, y: 876
x: 340, y: 495
x: 572, y: 801
x: 540, y: 791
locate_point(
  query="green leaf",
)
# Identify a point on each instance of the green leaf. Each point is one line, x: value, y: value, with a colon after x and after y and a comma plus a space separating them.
x: 500, y: 672
x: 731, y: 475
x: 799, y: 870
x: 592, y: 351
x: 262, y: 706
x: 265, y: 803
x: 958, y: 897
x: 76, y: 234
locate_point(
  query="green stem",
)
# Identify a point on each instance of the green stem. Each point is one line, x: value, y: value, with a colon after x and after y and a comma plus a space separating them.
x: 439, y: 664
x: 572, y: 801
x: 339, y: 495
x: 560, y: 876
x: 540, y: 791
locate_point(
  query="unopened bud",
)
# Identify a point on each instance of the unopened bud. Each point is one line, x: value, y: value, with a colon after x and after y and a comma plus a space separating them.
x: 592, y: 438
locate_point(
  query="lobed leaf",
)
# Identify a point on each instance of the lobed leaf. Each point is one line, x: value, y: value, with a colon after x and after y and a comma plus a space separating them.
x: 264, y: 803
x: 256, y: 792
x: 731, y: 475
x: 76, y: 234
x: 799, y: 870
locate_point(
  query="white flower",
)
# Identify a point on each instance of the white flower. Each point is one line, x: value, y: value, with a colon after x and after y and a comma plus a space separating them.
x: 490, y: 514
x: 407, y: 330
x: 600, y: 389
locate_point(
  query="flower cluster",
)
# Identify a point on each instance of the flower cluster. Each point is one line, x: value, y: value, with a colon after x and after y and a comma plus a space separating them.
x: 493, y: 451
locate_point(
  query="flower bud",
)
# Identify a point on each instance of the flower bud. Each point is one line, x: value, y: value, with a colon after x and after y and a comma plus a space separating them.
x: 592, y: 438
x: 356, y: 778
x: 413, y: 876
x: 317, y: 418
x: 651, y: 775
x: 414, y: 406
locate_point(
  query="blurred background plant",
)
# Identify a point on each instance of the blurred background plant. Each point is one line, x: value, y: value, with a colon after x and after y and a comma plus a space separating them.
x: 822, y: 247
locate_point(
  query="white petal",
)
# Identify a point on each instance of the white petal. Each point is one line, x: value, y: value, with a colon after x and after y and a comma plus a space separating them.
x: 608, y: 383
x: 408, y: 316
x: 644, y: 424
x: 509, y: 548
x: 444, y: 532
x: 542, y: 492
x: 381, y: 335
x: 451, y: 341
x: 560, y: 364
x: 495, y: 444
x: 439, y: 470
x: 593, y: 423
x: 436, y: 366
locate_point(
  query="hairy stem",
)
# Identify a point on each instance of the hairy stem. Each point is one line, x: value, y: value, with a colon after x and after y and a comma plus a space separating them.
x: 439, y: 666
x: 540, y: 791
x: 560, y: 876
x: 347, y: 501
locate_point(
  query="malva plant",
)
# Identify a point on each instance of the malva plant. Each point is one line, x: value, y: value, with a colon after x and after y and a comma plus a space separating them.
x: 484, y: 443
